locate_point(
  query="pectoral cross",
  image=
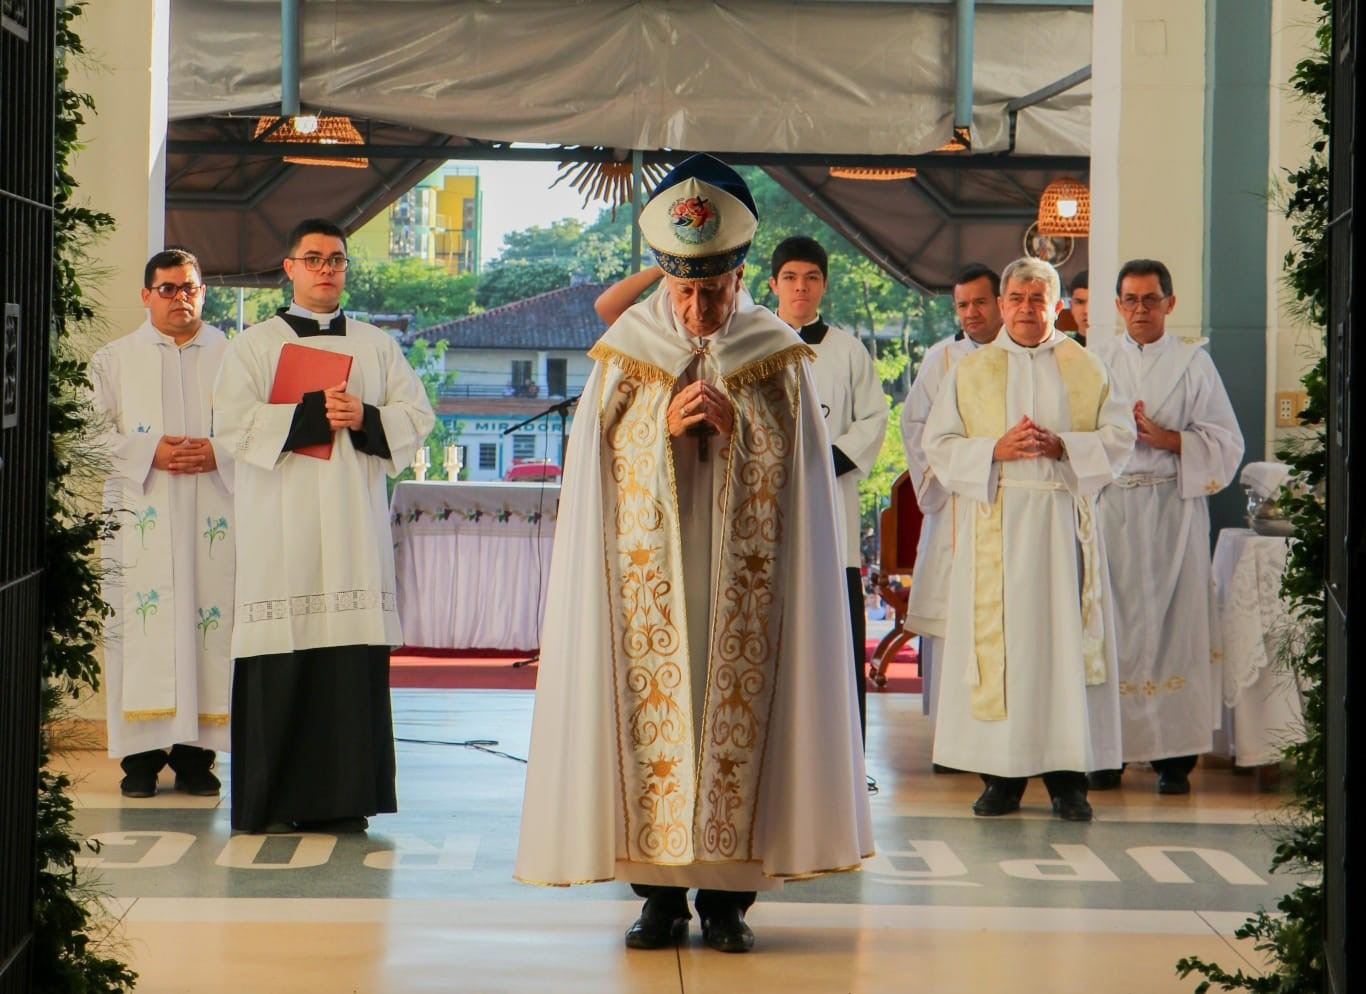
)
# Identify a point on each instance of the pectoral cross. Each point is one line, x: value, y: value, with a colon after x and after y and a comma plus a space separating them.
x: 702, y: 430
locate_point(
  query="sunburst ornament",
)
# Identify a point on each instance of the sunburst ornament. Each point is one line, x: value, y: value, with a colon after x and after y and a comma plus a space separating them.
x: 609, y: 182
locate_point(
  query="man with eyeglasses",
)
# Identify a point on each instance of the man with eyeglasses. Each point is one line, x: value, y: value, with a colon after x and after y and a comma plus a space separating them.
x: 1155, y: 521
x: 1026, y: 431
x: 166, y: 656
x: 313, y: 742
x: 976, y: 295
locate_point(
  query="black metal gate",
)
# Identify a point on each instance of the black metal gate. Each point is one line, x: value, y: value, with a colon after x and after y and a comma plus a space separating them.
x: 1346, y: 505
x: 26, y: 131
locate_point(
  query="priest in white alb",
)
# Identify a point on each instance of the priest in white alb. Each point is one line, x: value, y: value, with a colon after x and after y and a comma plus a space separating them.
x: 976, y: 292
x: 1155, y: 519
x: 695, y: 721
x: 1026, y: 431
x: 166, y: 652
x: 316, y: 616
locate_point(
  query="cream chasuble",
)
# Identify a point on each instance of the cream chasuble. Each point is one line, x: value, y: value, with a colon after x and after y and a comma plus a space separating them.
x: 167, y: 661
x: 1155, y: 519
x: 674, y: 735
x: 1028, y: 683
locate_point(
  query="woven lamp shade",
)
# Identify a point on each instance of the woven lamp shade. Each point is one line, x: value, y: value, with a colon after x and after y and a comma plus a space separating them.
x: 323, y: 131
x: 872, y: 173
x: 1065, y: 209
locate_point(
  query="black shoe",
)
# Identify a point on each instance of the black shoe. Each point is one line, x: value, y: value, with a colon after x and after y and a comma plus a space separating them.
x: 139, y: 784
x: 199, y: 783
x: 336, y: 826
x: 936, y: 768
x: 658, y: 926
x: 726, y: 931
x: 1072, y: 806
x: 995, y: 800
x: 1173, y: 782
x: 1104, y: 779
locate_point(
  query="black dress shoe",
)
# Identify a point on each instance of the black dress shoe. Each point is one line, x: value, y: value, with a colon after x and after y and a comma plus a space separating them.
x: 726, y: 932
x: 1072, y: 806
x: 138, y: 784
x: 658, y: 926
x: 1173, y: 782
x: 995, y: 800
x: 198, y: 783
x: 1104, y: 779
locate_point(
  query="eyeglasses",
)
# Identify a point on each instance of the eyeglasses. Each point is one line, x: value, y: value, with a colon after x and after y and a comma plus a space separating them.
x: 1150, y: 302
x: 170, y: 291
x: 314, y: 263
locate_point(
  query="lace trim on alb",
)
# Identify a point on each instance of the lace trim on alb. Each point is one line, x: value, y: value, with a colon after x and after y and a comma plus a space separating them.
x: 305, y: 604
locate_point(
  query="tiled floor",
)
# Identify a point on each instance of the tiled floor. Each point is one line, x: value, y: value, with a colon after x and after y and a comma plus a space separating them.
x: 426, y: 902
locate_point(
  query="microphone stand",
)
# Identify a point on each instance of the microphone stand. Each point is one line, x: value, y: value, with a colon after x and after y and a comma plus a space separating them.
x: 562, y: 409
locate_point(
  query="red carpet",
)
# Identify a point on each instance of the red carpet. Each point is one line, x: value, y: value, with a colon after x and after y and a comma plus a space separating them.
x: 492, y: 669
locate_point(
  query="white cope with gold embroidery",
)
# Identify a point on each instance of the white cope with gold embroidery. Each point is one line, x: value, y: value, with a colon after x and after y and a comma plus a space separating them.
x: 628, y: 777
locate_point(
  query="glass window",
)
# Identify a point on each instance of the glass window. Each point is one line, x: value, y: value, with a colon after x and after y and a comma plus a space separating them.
x: 524, y: 446
x: 488, y: 455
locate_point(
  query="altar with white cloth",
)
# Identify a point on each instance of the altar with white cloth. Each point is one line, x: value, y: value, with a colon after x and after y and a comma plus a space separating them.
x: 472, y: 562
x: 1261, y: 697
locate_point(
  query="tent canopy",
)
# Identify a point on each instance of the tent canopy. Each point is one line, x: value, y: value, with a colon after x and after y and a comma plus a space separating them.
x: 428, y: 80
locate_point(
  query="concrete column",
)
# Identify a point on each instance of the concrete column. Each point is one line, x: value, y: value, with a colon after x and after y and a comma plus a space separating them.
x: 1293, y: 345
x: 1237, y: 218
x: 1147, y: 139
x: 122, y: 168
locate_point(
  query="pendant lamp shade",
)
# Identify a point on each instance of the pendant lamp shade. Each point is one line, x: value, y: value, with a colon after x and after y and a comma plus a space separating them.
x: 1065, y: 209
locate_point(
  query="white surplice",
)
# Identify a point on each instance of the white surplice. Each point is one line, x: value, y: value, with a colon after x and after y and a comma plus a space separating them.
x: 928, y: 599
x: 315, y: 558
x: 1155, y: 519
x: 166, y: 655
x: 856, y: 414
x: 1058, y: 716
x: 721, y: 748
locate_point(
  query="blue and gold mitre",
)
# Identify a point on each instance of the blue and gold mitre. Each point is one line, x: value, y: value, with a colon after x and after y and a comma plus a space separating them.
x: 700, y: 219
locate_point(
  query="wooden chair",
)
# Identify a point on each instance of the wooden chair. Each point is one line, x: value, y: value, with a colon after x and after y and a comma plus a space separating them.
x: 901, y: 522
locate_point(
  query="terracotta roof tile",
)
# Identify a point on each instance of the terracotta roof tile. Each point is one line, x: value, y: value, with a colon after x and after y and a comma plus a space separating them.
x: 560, y: 319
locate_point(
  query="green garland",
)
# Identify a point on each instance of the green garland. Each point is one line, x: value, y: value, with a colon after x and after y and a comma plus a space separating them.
x: 1294, y: 939
x: 65, y: 908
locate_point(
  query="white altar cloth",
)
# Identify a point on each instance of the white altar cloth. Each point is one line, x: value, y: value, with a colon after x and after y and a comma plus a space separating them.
x: 472, y: 562
x: 1260, y: 693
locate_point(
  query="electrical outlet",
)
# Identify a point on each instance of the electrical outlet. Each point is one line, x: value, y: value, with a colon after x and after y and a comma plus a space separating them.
x: 1289, y: 404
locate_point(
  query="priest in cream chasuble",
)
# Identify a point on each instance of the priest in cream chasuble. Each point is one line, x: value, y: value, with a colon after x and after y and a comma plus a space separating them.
x: 166, y: 655
x: 1026, y: 431
x: 696, y: 722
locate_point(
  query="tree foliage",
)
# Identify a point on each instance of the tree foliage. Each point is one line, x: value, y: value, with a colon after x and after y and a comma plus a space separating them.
x: 409, y: 286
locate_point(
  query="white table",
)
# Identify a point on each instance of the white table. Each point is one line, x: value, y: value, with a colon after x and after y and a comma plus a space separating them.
x: 472, y: 562
x: 1260, y: 695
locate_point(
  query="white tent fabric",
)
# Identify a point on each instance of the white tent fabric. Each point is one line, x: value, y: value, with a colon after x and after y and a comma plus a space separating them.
x: 839, y: 77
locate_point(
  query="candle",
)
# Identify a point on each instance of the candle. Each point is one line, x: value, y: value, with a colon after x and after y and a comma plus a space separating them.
x: 452, y: 462
x: 420, y: 464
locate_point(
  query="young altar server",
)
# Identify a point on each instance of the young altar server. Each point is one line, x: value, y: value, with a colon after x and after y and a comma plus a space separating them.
x: 312, y: 734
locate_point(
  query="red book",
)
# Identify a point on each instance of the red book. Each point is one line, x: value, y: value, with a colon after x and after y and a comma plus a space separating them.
x: 302, y: 370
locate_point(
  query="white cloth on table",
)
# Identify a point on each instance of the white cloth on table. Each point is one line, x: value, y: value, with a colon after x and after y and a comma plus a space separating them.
x: 1261, y: 694
x: 472, y: 562
x: 1264, y: 478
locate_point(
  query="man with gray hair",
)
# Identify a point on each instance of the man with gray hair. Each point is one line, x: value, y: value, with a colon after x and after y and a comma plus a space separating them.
x: 1026, y: 431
